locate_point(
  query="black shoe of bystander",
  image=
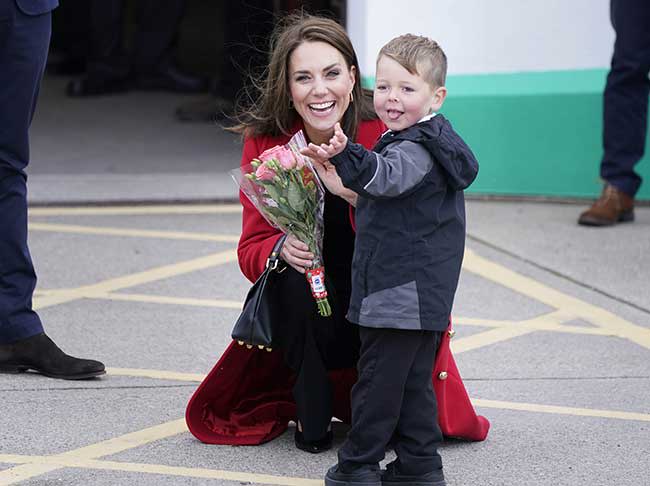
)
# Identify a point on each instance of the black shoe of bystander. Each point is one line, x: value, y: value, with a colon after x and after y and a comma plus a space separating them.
x: 39, y: 353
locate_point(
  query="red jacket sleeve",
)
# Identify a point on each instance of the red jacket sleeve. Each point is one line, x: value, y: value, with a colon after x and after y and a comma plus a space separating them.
x: 258, y: 237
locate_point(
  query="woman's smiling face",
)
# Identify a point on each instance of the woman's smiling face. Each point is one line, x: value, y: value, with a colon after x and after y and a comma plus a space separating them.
x: 320, y: 83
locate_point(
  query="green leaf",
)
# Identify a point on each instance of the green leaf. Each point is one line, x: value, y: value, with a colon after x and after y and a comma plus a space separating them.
x: 295, y: 198
x: 273, y: 192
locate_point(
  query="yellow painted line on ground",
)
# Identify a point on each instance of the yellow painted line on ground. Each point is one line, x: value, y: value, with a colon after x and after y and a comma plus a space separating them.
x: 581, y: 412
x: 160, y: 469
x: 157, y: 374
x: 86, y: 457
x: 477, y: 321
x: 540, y: 326
x: 547, y: 295
x: 139, y: 278
x: 105, y: 448
x: 137, y: 210
x: 128, y: 441
x: 486, y: 338
x: 163, y: 299
x: 134, y: 233
x: 505, y: 333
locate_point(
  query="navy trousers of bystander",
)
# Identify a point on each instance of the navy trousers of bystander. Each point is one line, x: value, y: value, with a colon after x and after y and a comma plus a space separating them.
x: 626, y: 95
x: 24, y: 41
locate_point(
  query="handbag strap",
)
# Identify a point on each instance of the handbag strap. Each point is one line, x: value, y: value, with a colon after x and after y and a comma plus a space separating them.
x: 274, y: 258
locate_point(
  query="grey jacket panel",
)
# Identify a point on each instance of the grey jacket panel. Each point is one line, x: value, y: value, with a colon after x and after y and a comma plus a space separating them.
x: 395, y: 307
x: 398, y: 169
x: 391, y: 173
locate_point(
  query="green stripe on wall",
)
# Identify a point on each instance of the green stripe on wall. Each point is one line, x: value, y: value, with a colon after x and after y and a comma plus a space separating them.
x: 534, y: 133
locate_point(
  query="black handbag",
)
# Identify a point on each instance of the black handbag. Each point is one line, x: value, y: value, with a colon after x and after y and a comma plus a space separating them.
x: 262, y: 306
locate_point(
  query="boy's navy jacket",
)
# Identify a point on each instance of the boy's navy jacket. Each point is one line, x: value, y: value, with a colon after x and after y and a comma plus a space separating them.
x: 410, y: 219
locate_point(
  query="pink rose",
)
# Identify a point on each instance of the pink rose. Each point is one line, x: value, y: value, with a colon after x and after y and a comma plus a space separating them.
x: 283, y: 155
x: 264, y: 173
x: 271, y: 153
x: 286, y: 159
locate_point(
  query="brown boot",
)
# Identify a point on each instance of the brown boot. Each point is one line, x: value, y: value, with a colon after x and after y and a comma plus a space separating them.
x: 613, y: 206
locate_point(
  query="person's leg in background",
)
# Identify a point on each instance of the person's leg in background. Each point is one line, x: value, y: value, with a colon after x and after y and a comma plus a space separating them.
x: 149, y: 66
x: 247, y: 26
x: 24, y: 41
x: 625, y: 114
x: 153, y: 64
x: 108, y: 67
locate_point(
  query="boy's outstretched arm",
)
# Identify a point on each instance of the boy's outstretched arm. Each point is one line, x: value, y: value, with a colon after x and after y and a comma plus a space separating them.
x: 394, y: 173
x: 326, y: 151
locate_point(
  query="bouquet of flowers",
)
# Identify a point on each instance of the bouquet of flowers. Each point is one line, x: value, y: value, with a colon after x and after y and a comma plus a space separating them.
x: 282, y: 184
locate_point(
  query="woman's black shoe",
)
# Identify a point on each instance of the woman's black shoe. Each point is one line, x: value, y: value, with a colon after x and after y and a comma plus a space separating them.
x: 313, y: 446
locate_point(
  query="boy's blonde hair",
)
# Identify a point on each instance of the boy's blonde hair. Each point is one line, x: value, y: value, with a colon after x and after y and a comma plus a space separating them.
x: 418, y: 55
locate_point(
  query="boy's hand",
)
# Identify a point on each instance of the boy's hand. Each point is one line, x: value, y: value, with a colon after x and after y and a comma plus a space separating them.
x: 324, y: 151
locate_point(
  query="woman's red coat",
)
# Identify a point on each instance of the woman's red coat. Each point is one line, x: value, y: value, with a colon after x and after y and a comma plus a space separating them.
x: 246, y: 398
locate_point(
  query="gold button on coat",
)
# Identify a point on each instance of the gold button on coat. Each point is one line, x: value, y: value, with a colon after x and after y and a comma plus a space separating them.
x: 451, y: 333
x: 442, y: 375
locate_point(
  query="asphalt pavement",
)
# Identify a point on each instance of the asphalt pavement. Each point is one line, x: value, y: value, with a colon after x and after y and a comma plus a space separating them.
x: 552, y: 319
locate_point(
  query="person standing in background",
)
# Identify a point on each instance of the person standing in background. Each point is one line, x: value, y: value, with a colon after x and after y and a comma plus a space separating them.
x: 625, y: 114
x: 25, y: 27
x: 149, y: 64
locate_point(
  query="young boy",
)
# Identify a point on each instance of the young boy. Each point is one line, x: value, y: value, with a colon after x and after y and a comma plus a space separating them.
x: 410, y: 219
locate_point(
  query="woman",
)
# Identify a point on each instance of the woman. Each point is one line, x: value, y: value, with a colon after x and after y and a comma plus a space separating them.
x: 313, y: 82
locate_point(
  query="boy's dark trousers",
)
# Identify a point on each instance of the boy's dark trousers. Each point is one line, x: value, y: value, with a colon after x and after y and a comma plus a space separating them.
x: 394, y: 398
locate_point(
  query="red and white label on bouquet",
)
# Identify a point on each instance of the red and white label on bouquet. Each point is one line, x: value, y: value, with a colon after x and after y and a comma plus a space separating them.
x: 316, y: 278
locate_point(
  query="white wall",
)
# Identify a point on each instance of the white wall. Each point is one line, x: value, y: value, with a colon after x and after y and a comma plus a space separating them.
x: 490, y: 36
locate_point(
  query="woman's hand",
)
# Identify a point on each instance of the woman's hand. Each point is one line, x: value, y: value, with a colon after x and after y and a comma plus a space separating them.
x: 327, y: 173
x: 297, y: 254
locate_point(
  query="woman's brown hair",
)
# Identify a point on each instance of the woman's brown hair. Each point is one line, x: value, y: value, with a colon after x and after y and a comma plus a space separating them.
x: 269, y: 111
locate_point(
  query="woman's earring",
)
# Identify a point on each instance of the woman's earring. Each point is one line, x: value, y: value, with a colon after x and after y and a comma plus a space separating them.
x: 351, y: 97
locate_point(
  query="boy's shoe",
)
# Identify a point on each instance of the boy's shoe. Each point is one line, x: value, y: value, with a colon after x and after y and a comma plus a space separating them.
x: 392, y: 477
x: 361, y: 477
